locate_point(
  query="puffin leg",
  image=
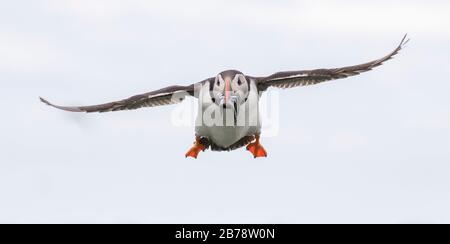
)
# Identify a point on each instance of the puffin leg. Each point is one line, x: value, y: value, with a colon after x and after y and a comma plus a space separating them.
x: 198, y: 146
x: 256, y: 148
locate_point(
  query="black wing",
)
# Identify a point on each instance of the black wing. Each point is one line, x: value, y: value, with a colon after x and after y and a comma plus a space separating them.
x: 165, y: 96
x: 289, y: 79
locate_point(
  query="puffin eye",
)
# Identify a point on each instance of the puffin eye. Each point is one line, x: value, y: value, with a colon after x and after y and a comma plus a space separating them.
x: 218, y: 83
x: 239, y: 82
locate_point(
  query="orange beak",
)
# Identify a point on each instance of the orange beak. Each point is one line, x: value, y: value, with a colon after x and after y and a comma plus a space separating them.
x: 227, y: 89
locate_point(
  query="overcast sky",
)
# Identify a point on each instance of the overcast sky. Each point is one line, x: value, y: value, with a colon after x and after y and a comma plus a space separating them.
x: 371, y: 148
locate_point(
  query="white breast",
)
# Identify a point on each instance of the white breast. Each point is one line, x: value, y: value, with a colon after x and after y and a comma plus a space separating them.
x: 226, y: 133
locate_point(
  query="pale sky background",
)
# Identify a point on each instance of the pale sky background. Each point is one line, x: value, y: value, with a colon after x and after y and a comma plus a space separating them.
x: 372, y: 148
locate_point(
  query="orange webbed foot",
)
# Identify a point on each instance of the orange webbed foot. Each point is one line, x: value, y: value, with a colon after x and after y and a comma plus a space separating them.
x: 196, y: 149
x: 257, y: 149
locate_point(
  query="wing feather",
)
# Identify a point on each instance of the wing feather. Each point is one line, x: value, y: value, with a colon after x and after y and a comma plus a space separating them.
x: 289, y: 79
x: 165, y: 96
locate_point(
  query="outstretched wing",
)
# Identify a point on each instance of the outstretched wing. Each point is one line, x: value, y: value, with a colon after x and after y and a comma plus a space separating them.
x: 165, y: 96
x: 289, y: 79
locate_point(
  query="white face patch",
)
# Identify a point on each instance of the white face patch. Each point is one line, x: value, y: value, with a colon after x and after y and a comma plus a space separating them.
x: 239, y: 87
x: 219, y: 84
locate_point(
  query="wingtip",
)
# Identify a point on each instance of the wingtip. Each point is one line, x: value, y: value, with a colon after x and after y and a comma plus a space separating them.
x: 405, y: 40
x: 44, y: 101
x: 69, y: 109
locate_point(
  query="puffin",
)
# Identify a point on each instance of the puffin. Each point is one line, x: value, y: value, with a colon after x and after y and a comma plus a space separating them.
x: 228, y: 116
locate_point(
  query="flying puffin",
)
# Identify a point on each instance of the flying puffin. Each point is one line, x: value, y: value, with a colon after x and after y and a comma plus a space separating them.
x: 228, y: 116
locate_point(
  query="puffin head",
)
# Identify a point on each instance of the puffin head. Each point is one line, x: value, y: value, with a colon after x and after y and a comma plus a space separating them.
x: 230, y: 89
